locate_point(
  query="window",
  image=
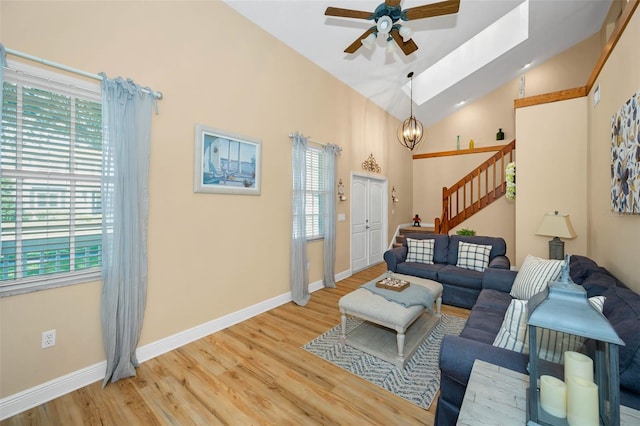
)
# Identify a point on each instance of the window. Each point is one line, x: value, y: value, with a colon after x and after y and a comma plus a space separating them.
x: 50, y: 180
x: 315, y: 194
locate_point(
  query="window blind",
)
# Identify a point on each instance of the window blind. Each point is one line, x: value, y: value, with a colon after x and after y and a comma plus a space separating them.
x: 50, y: 180
x: 314, y: 194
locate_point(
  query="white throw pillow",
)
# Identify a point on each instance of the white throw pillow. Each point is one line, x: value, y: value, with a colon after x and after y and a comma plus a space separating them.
x: 420, y: 251
x: 534, y: 276
x: 514, y: 333
x: 473, y: 256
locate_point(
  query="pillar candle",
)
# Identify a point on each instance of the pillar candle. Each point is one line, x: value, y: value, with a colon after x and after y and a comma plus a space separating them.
x: 553, y: 396
x: 578, y: 365
x: 582, y: 402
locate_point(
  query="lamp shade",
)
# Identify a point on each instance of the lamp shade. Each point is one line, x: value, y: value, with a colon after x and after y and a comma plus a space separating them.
x: 556, y: 225
x: 369, y: 41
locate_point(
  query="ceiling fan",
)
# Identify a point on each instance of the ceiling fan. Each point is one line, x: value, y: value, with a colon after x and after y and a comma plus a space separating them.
x: 386, y: 17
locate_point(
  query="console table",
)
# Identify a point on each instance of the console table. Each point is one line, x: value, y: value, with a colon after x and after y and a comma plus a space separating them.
x: 497, y: 396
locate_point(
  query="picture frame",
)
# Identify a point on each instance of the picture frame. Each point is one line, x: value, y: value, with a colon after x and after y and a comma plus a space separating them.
x: 625, y: 160
x: 226, y: 163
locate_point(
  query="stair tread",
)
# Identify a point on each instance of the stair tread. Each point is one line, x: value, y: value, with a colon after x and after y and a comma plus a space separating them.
x: 414, y: 229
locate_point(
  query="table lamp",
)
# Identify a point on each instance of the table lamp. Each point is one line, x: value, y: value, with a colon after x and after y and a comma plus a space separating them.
x: 557, y: 226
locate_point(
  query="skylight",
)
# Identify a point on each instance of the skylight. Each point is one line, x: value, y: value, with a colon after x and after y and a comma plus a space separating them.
x: 489, y: 44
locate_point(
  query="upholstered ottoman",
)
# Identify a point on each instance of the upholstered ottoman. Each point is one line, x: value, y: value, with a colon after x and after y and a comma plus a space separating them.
x: 390, y: 330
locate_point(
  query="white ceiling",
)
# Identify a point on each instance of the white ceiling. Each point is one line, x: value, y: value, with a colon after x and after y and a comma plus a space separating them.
x: 554, y: 26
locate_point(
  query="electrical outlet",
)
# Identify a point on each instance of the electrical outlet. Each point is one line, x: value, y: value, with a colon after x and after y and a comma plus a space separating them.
x: 48, y: 338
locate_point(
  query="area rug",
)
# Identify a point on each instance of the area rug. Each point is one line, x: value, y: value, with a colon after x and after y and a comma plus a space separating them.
x: 418, y: 382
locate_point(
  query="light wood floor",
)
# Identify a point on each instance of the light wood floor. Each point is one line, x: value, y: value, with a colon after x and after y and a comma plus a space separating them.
x: 251, y: 373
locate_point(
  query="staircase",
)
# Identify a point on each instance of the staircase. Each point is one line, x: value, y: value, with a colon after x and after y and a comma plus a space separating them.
x: 411, y: 230
x: 479, y: 188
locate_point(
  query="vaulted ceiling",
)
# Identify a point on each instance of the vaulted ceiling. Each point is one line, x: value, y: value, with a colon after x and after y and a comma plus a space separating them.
x: 460, y: 57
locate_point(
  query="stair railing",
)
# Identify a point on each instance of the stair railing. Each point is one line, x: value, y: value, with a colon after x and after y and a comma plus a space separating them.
x: 479, y: 188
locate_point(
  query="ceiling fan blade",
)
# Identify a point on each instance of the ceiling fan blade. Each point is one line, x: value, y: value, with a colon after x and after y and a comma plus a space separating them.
x: 408, y: 47
x: 358, y: 43
x: 347, y: 13
x: 435, y: 9
x: 392, y: 3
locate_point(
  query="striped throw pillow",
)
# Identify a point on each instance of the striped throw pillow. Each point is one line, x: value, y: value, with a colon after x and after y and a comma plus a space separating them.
x: 514, y: 333
x: 473, y: 256
x: 534, y: 276
x: 420, y: 251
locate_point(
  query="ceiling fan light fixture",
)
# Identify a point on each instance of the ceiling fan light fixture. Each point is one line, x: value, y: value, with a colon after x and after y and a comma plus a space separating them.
x: 411, y: 132
x: 405, y: 33
x: 384, y: 25
x: 391, y: 46
x: 369, y: 41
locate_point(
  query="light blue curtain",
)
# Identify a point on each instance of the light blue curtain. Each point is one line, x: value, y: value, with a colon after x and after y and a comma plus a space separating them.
x: 330, y: 153
x: 126, y: 114
x: 299, y: 273
x: 3, y: 63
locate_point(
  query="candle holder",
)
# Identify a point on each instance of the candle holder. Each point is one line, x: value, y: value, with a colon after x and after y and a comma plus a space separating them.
x: 592, y: 397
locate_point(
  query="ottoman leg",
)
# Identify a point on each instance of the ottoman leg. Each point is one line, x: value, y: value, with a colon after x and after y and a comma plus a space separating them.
x: 400, y: 339
x: 438, y: 304
x: 343, y: 334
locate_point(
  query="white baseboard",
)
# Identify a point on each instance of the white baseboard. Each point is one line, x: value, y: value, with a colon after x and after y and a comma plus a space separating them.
x: 32, y: 397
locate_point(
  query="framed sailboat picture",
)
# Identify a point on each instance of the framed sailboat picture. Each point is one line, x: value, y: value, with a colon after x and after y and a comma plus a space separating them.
x: 226, y: 163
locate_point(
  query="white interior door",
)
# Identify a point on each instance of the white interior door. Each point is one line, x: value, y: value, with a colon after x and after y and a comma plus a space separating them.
x: 368, y: 221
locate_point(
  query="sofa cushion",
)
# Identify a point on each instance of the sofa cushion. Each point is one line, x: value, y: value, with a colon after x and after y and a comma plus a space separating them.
x: 534, y: 276
x: 598, y: 281
x: 622, y: 309
x: 441, y: 244
x: 483, y: 324
x: 422, y: 270
x: 494, y: 299
x: 460, y: 277
x: 580, y: 267
x: 498, y: 246
x: 552, y: 344
x: 420, y: 251
x: 473, y: 256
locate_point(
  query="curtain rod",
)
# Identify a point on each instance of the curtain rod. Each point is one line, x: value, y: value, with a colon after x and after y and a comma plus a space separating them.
x: 314, y: 142
x: 157, y: 95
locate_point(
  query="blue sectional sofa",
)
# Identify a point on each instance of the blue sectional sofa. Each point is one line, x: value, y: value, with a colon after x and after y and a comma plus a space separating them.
x: 461, y: 286
x: 457, y: 353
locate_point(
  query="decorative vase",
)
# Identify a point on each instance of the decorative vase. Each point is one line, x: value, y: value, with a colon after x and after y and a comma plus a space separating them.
x: 458, y: 142
x: 471, y: 144
x: 500, y: 135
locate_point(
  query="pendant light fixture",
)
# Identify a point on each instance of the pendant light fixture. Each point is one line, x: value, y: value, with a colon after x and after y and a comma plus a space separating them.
x: 411, y: 133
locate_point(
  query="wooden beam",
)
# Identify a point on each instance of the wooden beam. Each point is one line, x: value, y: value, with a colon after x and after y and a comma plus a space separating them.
x: 459, y: 152
x: 561, y: 95
x: 623, y: 20
x: 577, y: 92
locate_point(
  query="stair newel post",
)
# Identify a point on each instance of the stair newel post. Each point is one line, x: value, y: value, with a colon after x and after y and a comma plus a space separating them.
x: 503, y: 173
x: 445, y: 210
x: 493, y: 184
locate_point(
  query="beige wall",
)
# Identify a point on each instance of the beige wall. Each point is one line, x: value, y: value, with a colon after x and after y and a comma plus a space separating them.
x: 614, y: 239
x: 551, y: 174
x: 480, y: 121
x: 209, y: 254
x: 567, y: 70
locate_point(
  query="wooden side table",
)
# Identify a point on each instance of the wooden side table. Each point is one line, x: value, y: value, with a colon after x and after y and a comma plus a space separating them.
x: 496, y: 396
